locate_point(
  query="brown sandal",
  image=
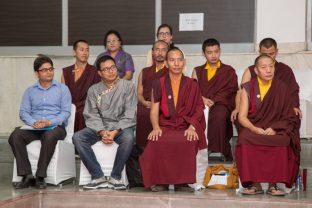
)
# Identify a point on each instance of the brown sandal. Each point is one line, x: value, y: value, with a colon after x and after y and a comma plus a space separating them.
x: 274, y: 190
x: 157, y: 188
x: 252, y: 190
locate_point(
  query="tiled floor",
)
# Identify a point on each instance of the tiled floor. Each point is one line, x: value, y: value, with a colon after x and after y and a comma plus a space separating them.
x: 74, y: 196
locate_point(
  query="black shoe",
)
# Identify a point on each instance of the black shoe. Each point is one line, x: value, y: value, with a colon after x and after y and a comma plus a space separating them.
x: 40, y: 183
x: 26, y: 182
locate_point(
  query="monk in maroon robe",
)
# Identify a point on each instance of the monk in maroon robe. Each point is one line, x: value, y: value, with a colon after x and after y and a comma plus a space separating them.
x: 283, y: 72
x: 145, y: 80
x: 267, y: 149
x: 218, y: 85
x: 178, y: 129
x: 79, y: 77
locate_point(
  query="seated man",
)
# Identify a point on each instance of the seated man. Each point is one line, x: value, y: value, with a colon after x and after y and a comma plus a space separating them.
x: 177, y: 117
x: 145, y: 80
x: 45, y: 107
x: 268, y: 46
x: 110, y: 115
x: 218, y: 84
x: 267, y: 142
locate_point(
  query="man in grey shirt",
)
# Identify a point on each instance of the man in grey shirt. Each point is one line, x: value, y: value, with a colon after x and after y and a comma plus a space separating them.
x: 110, y: 115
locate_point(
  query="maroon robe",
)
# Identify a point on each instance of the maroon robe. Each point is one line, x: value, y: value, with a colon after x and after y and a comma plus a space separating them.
x: 284, y: 73
x: 269, y: 158
x: 79, y: 90
x: 144, y: 126
x: 172, y: 159
x: 221, y: 89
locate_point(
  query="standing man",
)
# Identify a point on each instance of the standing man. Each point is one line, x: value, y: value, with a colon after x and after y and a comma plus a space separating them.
x: 218, y: 84
x: 45, y: 107
x: 145, y: 80
x: 79, y: 77
x: 110, y: 114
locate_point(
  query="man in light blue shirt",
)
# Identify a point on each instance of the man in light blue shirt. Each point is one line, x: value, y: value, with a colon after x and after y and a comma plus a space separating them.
x: 45, y: 107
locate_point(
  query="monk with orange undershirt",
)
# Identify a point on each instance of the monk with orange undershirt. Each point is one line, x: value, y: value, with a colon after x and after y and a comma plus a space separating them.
x: 177, y: 117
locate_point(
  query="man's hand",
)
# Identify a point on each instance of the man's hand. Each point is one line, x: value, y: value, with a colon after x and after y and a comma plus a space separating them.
x: 147, y: 104
x: 208, y: 102
x: 41, y: 123
x: 269, y: 131
x: 234, y: 115
x: 105, y: 137
x: 191, y: 134
x: 258, y: 130
x: 108, y: 136
x: 298, y: 112
x: 153, y: 136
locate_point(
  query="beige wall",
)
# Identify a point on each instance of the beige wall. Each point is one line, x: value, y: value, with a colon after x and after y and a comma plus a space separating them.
x: 17, y: 75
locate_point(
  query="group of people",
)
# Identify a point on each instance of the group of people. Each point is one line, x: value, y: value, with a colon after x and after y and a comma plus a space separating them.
x: 165, y: 115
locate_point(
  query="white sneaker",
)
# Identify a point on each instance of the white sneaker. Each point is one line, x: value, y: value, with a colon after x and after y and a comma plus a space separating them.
x: 97, y: 183
x: 116, y: 184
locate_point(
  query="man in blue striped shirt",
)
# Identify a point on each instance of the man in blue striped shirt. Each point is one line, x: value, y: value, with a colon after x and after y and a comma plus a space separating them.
x: 45, y: 107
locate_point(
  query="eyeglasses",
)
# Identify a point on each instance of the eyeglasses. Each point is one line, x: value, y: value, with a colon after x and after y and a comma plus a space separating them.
x: 164, y: 33
x: 46, y: 69
x: 111, y: 68
x: 112, y: 41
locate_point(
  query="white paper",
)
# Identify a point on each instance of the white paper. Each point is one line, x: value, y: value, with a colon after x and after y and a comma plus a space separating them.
x: 218, y: 179
x: 27, y: 127
x: 191, y: 22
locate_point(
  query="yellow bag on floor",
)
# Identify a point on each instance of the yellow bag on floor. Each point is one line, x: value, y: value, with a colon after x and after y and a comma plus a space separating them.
x: 220, y: 177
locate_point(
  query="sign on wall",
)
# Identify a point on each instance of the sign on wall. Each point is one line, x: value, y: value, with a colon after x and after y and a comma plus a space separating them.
x: 191, y: 22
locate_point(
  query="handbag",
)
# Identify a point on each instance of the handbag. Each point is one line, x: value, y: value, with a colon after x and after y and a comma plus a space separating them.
x: 220, y: 177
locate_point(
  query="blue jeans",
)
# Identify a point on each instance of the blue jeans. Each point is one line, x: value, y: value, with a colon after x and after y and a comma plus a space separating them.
x: 85, y: 138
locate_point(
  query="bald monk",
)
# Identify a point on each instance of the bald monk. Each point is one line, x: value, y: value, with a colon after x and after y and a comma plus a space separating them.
x: 218, y: 84
x: 177, y: 117
x: 145, y: 80
x: 268, y: 46
x: 266, y: 148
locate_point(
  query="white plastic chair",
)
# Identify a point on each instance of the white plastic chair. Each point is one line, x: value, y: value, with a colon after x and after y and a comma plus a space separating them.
x: 306, y: 121
x: 62, y: 165
x: 105, y: 155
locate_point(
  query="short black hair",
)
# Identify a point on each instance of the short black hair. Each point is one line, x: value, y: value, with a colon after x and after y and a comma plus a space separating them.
x: 102, y: 60
x: 162, y: 26
x: 115, y: 32
x: 261, y: 57
x: 174, y: 49
x: 210, y: 42
x: 40, y: 60
x: 75, y: 45
x: 267, y: 43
